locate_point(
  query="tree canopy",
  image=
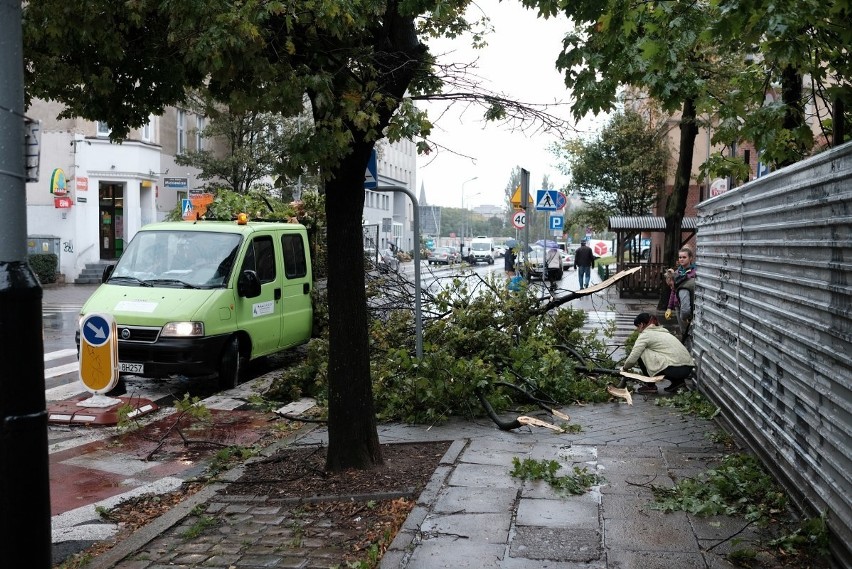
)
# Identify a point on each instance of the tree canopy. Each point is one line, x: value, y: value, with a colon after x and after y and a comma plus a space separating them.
x: 735, y: 64
x: 623, y: 170
x: 361, y: 64
x: 247, y: 150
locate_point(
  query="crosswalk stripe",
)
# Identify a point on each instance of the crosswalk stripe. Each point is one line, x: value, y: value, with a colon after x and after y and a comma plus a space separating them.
x: 61, y: 370
x: 63, y: 392
x: 59, y: 354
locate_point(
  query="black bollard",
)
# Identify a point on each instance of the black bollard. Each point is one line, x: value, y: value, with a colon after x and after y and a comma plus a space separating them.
x: 25, y: 535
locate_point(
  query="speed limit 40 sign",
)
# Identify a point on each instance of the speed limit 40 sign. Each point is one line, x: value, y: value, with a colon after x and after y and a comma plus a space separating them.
x: 519, y: 219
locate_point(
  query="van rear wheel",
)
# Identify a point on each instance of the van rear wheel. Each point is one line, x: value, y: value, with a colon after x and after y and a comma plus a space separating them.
x: 230, y: 367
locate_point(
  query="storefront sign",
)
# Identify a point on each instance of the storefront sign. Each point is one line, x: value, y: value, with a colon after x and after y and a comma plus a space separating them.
x: 62, y: 203
x: 57, y: 182
x: 82, y: 184
x: 718, y: 187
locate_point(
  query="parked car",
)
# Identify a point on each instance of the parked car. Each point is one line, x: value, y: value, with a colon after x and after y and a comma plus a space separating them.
x: 499, y: 251
x: 457, y: 256
x: 567, y: 260
x: 536, y: 266
x: 387, y: 261
x: 443, y: 256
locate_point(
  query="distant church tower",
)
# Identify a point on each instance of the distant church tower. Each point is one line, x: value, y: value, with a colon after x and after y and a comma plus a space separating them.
x: 422, y: 199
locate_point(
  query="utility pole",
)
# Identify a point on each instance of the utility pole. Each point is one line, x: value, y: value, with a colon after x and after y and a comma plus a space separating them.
x: 25, y: 538
x: 464, y: 216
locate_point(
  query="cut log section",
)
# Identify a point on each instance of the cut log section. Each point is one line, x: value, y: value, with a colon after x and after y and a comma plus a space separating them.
x: 620, y: 392
x: 524, y: 420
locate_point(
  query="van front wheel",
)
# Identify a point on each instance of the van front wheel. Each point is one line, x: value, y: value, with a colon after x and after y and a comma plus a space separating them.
x: 230, y: 367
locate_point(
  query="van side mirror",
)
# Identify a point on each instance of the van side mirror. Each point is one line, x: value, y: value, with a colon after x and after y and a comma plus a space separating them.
x: 107, y: 273
x: 248, y: 285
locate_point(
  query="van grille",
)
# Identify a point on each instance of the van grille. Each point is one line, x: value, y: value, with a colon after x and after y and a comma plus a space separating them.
x: 138, y: 334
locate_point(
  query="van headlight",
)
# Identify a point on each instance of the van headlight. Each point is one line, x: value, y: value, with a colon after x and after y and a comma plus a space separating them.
x: 183, y: 329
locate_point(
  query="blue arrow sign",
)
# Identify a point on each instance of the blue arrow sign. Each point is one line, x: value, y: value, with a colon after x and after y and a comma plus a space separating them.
x: 95, y: 330
x: 546, y: 200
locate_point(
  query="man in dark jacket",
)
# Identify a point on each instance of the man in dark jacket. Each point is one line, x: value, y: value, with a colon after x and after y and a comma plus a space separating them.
x: 509, y: 261
x: 584, y: 258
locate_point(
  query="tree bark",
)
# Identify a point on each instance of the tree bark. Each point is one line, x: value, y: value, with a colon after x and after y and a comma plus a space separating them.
x: 676, y: 203
x: 353, y: 440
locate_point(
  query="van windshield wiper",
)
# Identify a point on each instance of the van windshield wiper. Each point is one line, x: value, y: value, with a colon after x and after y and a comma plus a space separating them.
x: 130, y: 279
x: 183, y: 284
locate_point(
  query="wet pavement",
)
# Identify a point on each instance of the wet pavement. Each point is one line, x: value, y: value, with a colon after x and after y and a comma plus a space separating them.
x: 473, y: 513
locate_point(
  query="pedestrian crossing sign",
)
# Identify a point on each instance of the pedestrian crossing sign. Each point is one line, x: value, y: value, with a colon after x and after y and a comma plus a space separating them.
x: 546, y: 200
x: 186, y: 208
x: 371, y: 174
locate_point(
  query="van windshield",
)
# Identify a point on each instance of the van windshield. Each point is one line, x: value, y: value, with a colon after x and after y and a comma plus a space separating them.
x: 177, y: 259
x: 480, y: 246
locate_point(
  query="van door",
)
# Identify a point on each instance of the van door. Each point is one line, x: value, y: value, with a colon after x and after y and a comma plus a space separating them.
x: 297, y: 320
x: 260, y: 317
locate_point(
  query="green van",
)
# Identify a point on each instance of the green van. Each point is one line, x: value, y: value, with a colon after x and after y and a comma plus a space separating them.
x: 204, y: 298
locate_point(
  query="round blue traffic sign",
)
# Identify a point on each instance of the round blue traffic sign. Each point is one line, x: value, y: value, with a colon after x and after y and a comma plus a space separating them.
x: 95, y: 330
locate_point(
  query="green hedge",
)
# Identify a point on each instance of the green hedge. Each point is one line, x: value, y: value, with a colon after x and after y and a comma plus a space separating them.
x: 45, y: 266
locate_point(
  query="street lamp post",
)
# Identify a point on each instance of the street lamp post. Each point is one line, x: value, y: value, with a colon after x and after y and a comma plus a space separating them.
x: 464, y: 216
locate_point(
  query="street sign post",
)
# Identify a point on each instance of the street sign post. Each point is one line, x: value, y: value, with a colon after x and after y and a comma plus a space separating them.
x: 98, y: 353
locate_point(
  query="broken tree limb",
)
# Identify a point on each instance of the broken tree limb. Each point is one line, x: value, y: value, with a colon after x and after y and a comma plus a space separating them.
x: 641, y: 377
x: 620, y: 392
x: 555, y: 301
x: 524, y: 420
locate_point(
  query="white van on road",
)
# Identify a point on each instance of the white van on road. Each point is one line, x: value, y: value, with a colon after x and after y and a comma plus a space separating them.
x: 481, y: 250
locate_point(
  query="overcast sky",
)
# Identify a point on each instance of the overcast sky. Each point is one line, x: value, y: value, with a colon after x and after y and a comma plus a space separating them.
x: 519, y: 62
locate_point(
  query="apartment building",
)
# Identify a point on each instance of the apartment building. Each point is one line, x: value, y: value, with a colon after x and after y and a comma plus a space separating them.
x: 393, y: 212
x: 93, y: 195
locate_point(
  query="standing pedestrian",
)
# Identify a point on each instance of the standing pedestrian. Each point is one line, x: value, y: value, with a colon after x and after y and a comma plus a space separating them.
x: 584, y: 258
x: 553, y: 267
x: 509, y: 261
x: 682, y: 295
x: 658, y: 352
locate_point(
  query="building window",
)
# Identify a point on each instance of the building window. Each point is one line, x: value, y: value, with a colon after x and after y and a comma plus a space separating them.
x: 103, y: 128
x: 199, y: 130
x: 146, y: 131
x: 181, y: 131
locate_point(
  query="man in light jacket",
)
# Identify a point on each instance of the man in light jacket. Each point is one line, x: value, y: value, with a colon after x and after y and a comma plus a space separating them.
x: 658, y: 352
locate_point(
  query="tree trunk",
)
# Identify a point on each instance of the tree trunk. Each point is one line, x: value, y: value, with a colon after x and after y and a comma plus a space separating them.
x: 353, y: 440
x: 676, y: 204
x: 794, y: 116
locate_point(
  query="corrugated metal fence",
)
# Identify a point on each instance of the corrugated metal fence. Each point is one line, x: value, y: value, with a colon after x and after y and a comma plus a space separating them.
x: 772, y: 334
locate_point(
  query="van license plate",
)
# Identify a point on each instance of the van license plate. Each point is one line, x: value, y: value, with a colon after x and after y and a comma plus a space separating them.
x: 131, y: 368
